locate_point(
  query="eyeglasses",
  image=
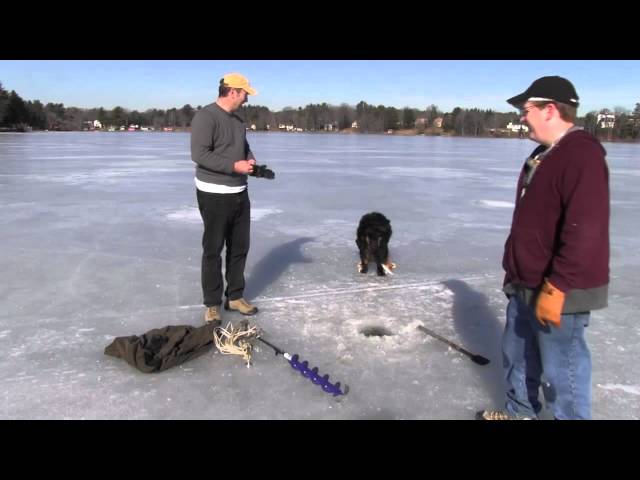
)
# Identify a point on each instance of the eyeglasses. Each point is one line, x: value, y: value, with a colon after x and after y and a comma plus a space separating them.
x: 525, y: 111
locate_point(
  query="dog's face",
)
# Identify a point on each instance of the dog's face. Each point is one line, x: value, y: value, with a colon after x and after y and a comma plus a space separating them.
x: 374, y: 232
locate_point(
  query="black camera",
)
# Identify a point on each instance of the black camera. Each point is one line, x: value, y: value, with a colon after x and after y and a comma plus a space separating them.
x: 261, y: 171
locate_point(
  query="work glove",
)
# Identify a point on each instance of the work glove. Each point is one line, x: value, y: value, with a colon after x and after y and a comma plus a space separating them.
x: 549, y: 304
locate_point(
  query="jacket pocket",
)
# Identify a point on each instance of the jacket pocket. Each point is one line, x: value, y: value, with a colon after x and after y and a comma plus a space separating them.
x: 529, y: 255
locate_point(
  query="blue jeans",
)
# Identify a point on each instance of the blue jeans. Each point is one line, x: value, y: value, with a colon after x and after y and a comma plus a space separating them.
x: 531, y: 351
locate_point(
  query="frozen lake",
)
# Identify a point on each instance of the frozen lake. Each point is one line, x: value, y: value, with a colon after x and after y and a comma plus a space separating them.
x: 100, y: 237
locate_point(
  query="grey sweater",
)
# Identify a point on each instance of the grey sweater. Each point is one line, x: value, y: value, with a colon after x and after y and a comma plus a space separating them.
x: 218, y: 140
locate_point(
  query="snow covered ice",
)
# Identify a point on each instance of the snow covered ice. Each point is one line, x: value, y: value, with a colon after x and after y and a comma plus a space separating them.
x: 100, y: 237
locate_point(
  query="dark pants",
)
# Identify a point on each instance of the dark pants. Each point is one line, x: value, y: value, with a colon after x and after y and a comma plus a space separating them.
x: 227, y: 220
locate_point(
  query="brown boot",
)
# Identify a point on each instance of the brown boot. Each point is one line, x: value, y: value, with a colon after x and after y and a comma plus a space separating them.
x: 241, y: 306
x: 212, y: 314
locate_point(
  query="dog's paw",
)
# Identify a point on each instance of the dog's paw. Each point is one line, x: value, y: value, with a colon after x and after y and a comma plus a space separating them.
x: 359, y: 267
x: 391, y: 265
x: 386, y: 268
x: 363, y: 268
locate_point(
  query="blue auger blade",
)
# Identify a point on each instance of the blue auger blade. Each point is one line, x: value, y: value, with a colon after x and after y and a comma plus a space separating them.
x: 314, y: 376
x: 311, y: 374
x: 334, y: 389
x: 305, y: 369
x: 294, y: 362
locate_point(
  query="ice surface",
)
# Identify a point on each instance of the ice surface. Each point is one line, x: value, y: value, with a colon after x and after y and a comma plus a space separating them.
x: 100, y: 237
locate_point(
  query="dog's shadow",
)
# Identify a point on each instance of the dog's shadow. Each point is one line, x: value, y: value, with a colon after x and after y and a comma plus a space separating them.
x: 274, y: 264
x: 480, y: 332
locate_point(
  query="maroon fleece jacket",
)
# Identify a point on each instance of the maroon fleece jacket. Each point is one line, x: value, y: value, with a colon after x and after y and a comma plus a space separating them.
x: 560, y: 226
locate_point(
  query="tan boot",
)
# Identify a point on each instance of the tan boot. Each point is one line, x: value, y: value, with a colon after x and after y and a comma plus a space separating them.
x: 500, y: 415
x: 212, y: 314
x: 241, y: 306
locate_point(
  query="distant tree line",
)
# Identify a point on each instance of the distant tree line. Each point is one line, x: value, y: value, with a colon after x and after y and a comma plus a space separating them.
x: 20, y: 115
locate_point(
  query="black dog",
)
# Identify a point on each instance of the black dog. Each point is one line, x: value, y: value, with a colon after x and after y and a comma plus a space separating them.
x: 374, y: 232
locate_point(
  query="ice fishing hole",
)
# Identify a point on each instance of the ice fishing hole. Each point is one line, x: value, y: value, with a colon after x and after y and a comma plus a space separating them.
x: 376, y: 331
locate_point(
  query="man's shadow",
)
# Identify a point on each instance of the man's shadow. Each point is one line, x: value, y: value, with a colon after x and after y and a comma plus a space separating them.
x: 274, y: 264
x: 480, y: 332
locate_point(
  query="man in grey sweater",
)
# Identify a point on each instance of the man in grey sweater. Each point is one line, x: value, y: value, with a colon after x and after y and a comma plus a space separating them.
x: 221, y: 152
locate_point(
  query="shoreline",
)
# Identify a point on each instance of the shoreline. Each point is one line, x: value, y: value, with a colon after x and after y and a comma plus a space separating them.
x: 394, y: 134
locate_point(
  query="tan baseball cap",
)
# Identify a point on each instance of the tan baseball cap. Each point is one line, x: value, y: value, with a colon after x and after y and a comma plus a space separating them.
x: 235, y: 80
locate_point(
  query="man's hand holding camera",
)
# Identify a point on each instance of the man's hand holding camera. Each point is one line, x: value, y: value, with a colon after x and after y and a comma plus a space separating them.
x: 261, y: 171
x: 249, y: 167
x: 245, y: 167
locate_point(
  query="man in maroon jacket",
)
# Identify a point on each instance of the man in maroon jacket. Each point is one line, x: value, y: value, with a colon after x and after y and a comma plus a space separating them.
x: 556, y: 259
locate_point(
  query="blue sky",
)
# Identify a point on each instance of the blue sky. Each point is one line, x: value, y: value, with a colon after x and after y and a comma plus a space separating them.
x: 142, y: 84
